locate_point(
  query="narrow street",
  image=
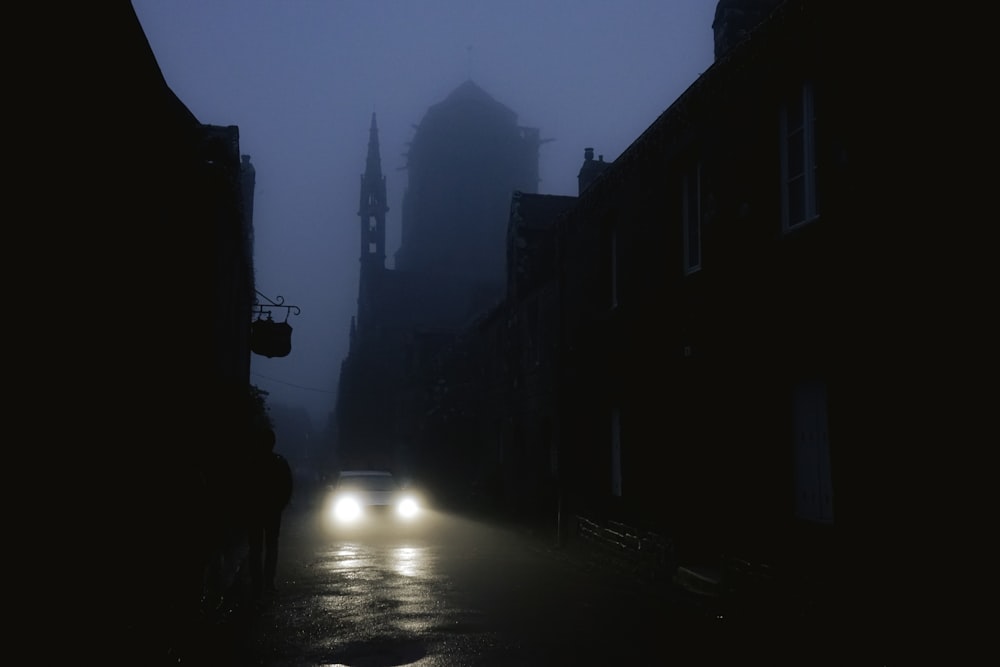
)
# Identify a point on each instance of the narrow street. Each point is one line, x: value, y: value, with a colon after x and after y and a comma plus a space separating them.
x: 451, y: 591
x: 455, y: 591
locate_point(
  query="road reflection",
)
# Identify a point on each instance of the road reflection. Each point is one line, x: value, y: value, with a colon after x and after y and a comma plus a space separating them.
x: 430, y: 594
x: 382, y: 585
x: 408, y: 561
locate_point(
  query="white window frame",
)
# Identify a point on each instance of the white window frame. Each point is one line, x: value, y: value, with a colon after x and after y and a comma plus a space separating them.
x: 691, y: 216
x: 800, y: 138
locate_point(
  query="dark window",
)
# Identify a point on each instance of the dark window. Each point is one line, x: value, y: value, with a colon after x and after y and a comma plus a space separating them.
x: 691, y: 202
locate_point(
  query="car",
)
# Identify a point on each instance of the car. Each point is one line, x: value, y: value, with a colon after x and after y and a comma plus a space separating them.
x: 368, y: 498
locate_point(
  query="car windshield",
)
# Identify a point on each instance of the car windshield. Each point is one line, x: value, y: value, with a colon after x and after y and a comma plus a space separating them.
x: 368, y: 482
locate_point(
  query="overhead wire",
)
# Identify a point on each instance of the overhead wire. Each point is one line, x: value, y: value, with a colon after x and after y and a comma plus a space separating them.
x: 290, y: 384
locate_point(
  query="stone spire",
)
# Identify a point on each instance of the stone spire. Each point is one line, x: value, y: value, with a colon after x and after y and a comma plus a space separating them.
x: 373, y: 205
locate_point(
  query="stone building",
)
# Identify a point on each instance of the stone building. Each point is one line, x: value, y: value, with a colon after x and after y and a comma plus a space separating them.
x: 714, y: 343
x: 467, y: 156
x: 723, y: 367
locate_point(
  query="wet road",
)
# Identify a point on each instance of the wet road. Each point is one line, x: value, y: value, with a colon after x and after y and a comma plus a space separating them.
x: 450, y: 592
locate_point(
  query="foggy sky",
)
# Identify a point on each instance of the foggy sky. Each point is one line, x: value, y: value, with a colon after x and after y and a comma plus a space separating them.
x: 301, y: 79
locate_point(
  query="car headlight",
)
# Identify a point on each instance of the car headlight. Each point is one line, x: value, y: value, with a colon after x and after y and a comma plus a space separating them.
x: 407, y: 508
x: 346, y: 509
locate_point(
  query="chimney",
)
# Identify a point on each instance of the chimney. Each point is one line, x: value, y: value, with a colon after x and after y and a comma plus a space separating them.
x: 590, y: 170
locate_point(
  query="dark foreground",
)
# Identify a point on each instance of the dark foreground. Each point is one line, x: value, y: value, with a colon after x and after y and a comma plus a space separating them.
x: 456, y: 591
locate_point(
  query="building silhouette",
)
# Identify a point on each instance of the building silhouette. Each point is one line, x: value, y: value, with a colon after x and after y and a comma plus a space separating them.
x: 693, y: 361
x: 467, y: 156
x: 705, y: 358
x: 141, y: 225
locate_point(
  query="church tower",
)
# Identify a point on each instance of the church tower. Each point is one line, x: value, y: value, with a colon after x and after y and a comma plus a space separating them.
x: 371, y: 210
x: 373, y: 206
x: 370, y: 369
x: 468, y: 156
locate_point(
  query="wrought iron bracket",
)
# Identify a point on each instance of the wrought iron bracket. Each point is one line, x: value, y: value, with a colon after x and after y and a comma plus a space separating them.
x: 261, y: 309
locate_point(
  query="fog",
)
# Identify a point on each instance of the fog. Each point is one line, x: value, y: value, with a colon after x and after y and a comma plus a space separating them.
x: 301, y: 80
